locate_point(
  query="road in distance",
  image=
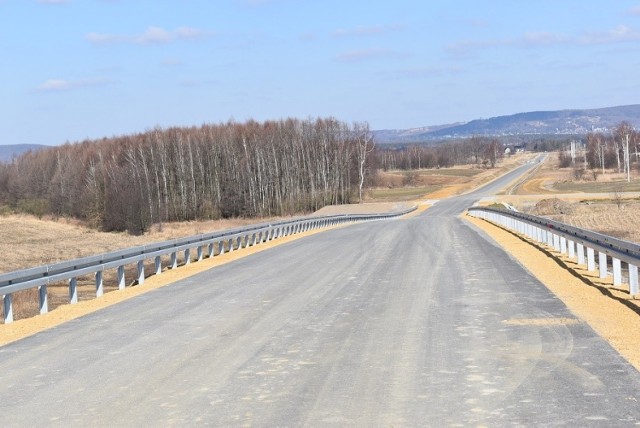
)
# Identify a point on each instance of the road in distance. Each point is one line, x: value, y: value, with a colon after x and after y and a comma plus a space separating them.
x: 418, y: 321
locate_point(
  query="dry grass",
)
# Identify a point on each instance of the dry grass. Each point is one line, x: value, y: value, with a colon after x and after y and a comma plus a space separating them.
x: 28, y: 242
x: 604, y: 216
x: 551, y: 179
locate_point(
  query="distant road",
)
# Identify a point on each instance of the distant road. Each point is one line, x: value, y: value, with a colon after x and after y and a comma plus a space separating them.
x: 414, y: 322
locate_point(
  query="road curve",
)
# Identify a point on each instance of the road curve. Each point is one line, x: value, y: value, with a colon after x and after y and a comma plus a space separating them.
x: 418, y: 321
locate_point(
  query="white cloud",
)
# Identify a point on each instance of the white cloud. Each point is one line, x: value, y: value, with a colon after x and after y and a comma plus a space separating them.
x: 152, y: 35
x: 620, y: 34
x: 54, y: 85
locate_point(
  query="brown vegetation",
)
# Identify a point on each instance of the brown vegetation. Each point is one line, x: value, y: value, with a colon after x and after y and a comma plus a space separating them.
x: 183, y: 174
x: 475, y: 150
x: 618, y: 219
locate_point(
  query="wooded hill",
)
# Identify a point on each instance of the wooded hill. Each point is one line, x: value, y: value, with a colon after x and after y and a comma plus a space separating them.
x: 179, y: 174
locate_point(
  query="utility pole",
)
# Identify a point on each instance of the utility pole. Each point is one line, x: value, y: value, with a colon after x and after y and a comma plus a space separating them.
x: 627, y: 161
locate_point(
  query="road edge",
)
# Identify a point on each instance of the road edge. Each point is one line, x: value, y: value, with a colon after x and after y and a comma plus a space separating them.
x: 616, y: 323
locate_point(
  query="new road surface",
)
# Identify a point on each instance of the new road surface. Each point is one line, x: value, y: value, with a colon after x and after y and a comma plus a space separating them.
x: 420, y: 321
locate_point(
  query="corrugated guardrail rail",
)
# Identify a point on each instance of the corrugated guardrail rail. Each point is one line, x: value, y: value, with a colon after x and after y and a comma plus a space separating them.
x: 209, y: 245
x: 573, y: 241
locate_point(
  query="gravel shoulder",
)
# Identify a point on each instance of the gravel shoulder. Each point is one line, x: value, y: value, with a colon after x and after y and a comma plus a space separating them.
x: 610, y: 312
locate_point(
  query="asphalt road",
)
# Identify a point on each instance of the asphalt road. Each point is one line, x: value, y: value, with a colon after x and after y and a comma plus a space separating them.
x: 412, y: 322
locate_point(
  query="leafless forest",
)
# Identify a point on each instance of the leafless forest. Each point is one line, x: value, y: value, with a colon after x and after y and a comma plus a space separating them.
x: 227, y: 170
x: 213, y: 171
x: 475, y: 150
x: 619, y: 150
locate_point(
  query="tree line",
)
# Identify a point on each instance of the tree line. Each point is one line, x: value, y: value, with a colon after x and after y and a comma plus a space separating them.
x: 179, y: 174
x: 226, y: 170
x: 618, y: 150
x: 475, y: 150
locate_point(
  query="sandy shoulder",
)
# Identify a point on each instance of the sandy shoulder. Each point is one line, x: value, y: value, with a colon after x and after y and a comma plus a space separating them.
x: 612, y: 313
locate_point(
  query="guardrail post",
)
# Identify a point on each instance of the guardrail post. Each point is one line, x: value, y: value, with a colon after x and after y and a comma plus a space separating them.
x: 43, y: 298
x: 571, y: 247
x: 591, y: 259
x: 549, y: 238
x: 174, y: 260
x: 121, y: 279
x: 633, y: 280
x: 220, y: 247
x: 99, y: 284
x: 617, y: 272
x: 563, y: 245
x: 602, y: 264
x: 200, y: 253
x: 556, y: 242
x: 187, y: 256
x: 140, y: 272
x: 580, y: 254
x: 73, y: 290
x: 210, y: 250
x: 7, y: 303
x: 157, y: 264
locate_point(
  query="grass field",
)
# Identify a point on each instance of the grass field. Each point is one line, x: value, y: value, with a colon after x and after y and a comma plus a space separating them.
x: 598, y: 186
x: 550, y: 179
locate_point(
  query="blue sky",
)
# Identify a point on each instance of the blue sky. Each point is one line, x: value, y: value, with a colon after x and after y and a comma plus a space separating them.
x: 79, y: 69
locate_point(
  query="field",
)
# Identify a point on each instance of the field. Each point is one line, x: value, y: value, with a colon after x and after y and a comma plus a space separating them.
x: 607, y: 204
x: 435, y: 183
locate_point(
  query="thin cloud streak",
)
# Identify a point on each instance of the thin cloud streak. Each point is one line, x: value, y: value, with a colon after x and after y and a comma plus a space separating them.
x: 634, y: 11
x: 620, y: 34
x: 56, y: 85
x: 366, y: 31
x: 369, y: 54
x: 152, y: 35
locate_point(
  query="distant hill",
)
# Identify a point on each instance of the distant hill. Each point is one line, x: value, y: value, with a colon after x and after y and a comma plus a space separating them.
x: 559, y: 122
x: 8, y: 152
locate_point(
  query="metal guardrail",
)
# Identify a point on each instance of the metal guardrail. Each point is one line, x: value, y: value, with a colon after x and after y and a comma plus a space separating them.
x: 574, y: 242
x: 210, y: 244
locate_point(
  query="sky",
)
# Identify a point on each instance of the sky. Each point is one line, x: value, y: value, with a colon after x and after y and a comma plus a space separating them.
x: 86, y: 69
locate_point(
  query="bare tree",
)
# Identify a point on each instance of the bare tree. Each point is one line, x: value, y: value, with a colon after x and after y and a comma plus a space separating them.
x: 365, y: 145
